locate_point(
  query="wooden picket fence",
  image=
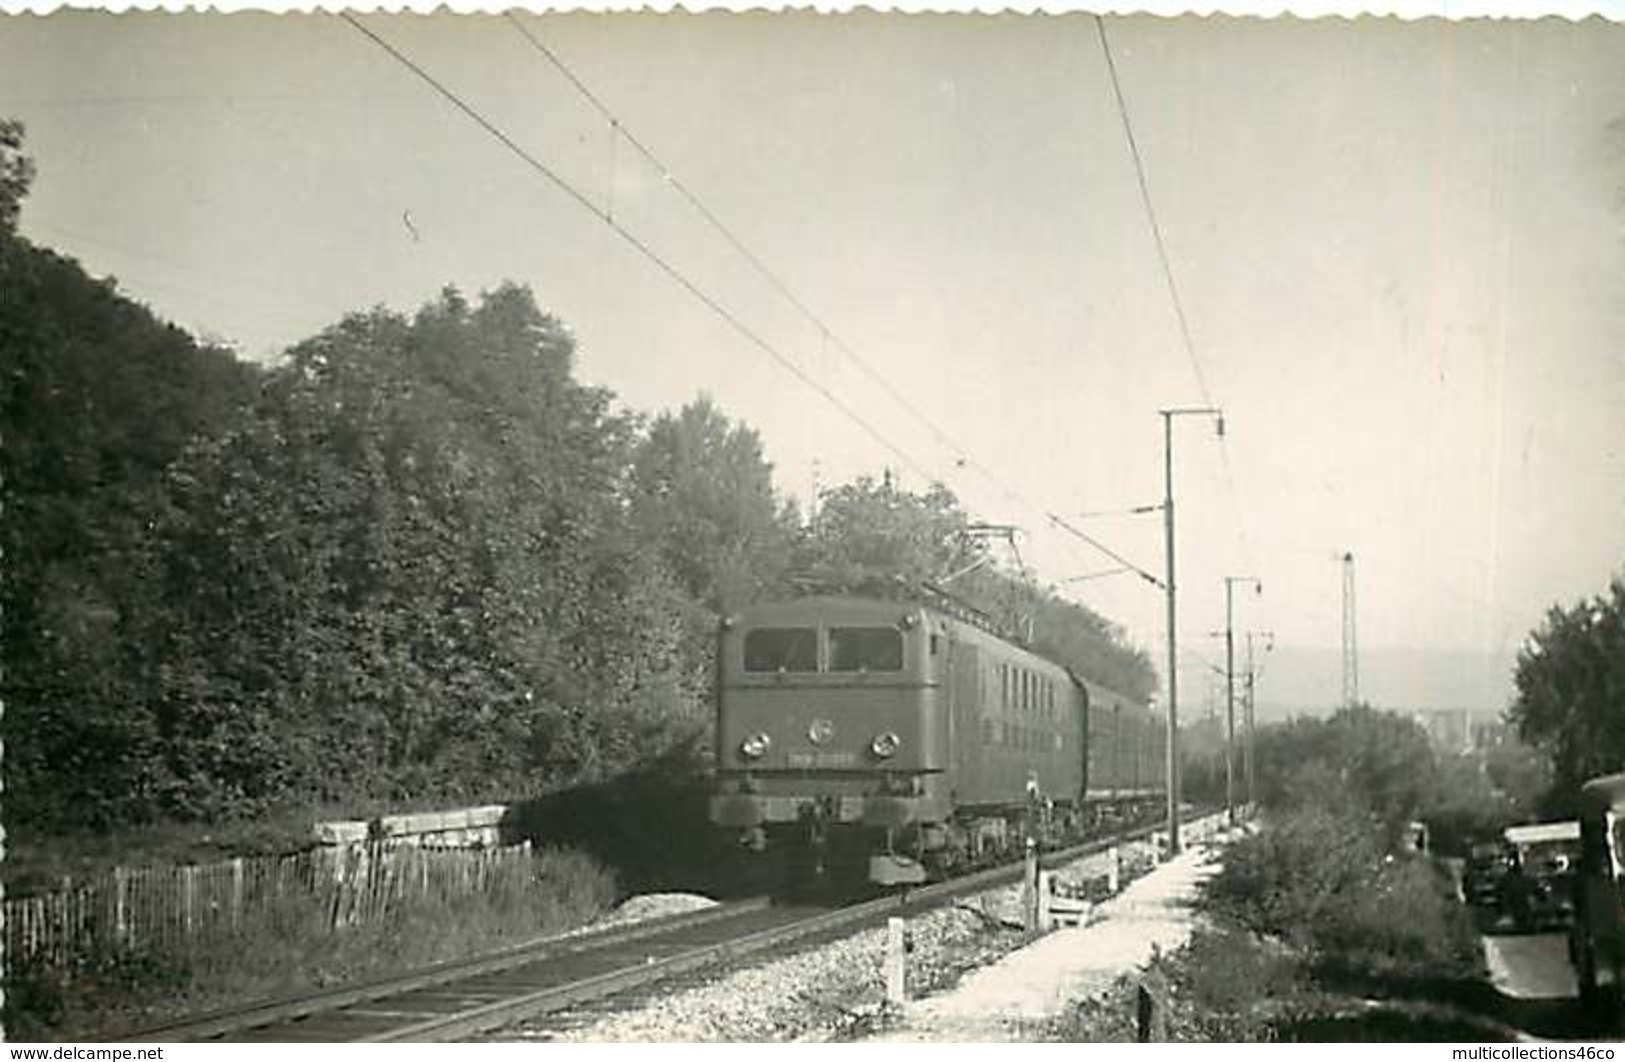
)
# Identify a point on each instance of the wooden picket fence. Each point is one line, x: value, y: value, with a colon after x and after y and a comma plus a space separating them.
x: 165, y: 909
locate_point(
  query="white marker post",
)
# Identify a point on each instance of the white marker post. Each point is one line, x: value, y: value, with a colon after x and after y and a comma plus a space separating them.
x: 1029, y: 888
x: 896, y: 970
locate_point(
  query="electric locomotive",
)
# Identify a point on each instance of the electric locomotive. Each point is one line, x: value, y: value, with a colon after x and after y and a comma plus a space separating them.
x: 911, y: 738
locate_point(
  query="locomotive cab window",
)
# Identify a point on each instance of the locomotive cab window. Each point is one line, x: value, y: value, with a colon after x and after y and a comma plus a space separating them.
x: 865, y: 649
x: 781, y: 649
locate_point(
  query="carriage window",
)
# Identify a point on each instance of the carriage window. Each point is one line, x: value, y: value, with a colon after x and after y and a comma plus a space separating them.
x: 781, y: 649
x: 865, y: 649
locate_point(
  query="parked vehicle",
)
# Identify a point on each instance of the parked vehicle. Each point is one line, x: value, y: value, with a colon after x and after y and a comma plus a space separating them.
x: 1487, y: 864
x: 1597, y: 937
x: 1538, y: 891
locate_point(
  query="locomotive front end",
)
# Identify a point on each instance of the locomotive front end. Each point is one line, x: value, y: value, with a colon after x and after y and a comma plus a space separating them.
x: 830, y: 737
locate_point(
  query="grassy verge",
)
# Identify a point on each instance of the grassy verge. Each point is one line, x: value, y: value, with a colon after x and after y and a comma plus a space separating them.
x: 292, y: 950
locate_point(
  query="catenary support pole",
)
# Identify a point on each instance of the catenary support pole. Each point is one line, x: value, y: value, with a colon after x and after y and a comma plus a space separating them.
x: 1229, y: 702
x: 1172, y: 769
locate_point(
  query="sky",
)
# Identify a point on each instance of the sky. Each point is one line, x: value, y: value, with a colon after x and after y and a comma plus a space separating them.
x: 1397, y: 246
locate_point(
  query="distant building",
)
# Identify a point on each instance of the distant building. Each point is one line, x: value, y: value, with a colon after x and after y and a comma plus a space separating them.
x: 1460, y: 729
x: 1449, y: 729
x: 1491, y: 731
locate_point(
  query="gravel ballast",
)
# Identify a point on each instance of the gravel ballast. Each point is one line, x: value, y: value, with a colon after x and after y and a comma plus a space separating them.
x: 830, y: 990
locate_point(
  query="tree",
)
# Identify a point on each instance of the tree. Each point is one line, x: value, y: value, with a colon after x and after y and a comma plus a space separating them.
x: 702, y: 490
x: 1362, y: 761
x: 869, y: 533
x: 1521, y: 775
x: 1571, y: 688
x: 410, y: 574
x: 98, y: 397
x: 16, y: 174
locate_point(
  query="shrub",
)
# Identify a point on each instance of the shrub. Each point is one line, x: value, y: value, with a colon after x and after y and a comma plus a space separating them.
x: 1318, y: 879
x: 1300, y: 876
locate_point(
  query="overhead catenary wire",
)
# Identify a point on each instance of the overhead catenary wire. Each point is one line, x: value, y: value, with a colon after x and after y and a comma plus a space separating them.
x: 1151, y: 214
x: 583, y: 201
x: 963, y: 457
x: 1168, y: 276
x: 826, y: 332
x: 1061, y: 522
x: 631, y: 238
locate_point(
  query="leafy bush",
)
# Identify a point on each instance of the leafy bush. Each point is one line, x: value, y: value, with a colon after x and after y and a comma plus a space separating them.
x: 1318, y: 880
x: 1299, y: 877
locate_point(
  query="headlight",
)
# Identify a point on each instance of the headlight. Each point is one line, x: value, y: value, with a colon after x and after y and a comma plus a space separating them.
x: 885, y: 745
x: 755, y: 746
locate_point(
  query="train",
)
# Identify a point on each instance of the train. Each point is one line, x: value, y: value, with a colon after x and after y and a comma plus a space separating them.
x: 908, y: 740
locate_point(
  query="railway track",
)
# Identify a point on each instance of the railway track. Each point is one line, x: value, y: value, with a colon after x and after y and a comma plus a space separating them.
x: 463, y: 999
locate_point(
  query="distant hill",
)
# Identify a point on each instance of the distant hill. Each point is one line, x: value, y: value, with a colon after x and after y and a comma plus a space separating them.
x: 1309, y: 680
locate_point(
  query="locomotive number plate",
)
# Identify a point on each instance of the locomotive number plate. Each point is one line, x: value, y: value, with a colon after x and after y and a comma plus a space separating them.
x: 823, y: 759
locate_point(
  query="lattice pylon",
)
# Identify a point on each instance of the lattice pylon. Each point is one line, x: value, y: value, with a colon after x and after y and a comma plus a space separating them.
x: 1351, y: 653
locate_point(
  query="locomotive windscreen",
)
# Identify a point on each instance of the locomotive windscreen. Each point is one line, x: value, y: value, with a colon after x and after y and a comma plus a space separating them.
x: 865, y: 649
x: 781, y: 649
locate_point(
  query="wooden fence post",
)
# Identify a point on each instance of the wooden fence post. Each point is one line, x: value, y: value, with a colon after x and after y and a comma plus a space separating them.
x: 188, y: 896
x: 121, y: 925
x: 1114, y: 871
x: 237, y: 892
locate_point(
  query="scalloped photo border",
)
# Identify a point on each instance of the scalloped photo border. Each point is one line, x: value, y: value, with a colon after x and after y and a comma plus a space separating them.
x: 1408, y: 10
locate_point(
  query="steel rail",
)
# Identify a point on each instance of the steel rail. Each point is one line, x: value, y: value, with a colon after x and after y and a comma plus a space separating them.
x: 222, y: 1022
